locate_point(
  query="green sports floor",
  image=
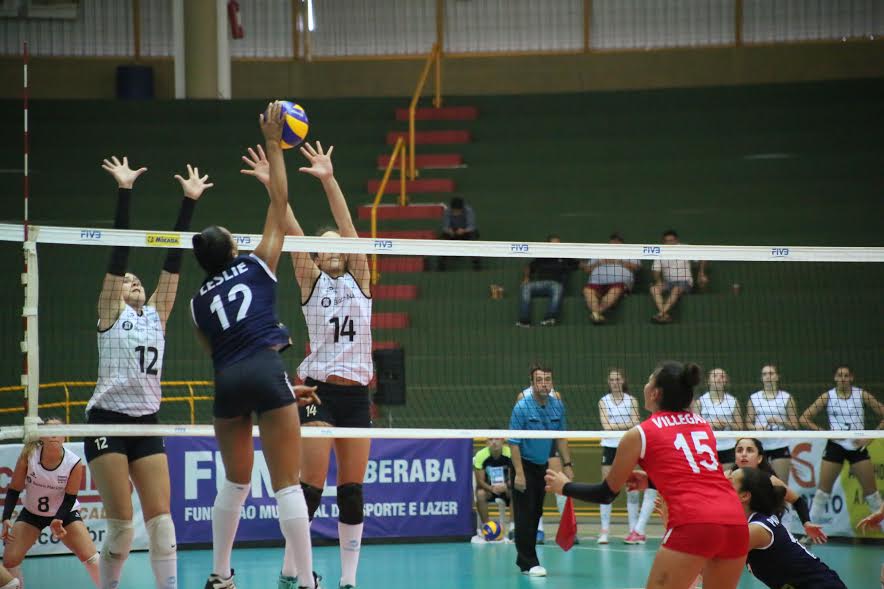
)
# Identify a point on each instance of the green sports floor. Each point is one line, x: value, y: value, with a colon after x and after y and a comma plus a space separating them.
x: 443, y: 566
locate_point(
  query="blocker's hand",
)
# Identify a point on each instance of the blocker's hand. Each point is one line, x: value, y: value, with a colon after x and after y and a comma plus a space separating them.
x: 306, y: 395
x: 194, y: 185
x: 320, y: 161
x: 271, y: 123
x: 122, y: 173
x: 258, y: 165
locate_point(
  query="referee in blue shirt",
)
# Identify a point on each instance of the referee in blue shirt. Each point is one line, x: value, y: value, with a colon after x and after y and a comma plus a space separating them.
x: 537, y: 411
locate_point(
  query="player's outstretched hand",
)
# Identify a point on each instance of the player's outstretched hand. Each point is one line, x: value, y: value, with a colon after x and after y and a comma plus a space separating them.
x: 271, y: 123
x: 122, y: 173
x: 866, y: 524
x: 7, y: 531
x: 258, y: 166
x: 194, y: 186
x: 815, y: 533
x: 555, y: 481
x: 57, y: 529
x: 637, y: 481
x: 306, y: 395
x: 320, y: 161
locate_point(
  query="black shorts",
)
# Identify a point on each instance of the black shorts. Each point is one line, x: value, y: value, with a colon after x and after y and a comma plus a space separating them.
x: 256, y: 384
x: 783, y: 452
x: 342, y: 405
x: 608, y: 455
x: 42, y: 522
x: 134, y: 447
x: 727, y: 456
x: 838, y: 454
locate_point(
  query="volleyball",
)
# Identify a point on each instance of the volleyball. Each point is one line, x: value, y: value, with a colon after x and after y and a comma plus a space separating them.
x: 296, y: 125
x: 491, y: 531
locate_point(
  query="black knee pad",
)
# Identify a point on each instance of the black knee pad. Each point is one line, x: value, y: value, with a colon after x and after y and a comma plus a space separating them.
x: 313, y: 496
x: 350, y: 503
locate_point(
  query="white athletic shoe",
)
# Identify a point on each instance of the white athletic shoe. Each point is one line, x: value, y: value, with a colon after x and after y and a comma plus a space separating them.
x: 535, y: 571
x: 216, y: 582
x: 603, y: 537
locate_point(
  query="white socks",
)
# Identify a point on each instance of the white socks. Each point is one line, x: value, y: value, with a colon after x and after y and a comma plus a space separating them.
x: 225, y: 521
x: 606, y: 517
x: 647, y: 509
x: 818, y: 507
x: 295, y: 526
x: 632, y: 501
x: 351, y: 543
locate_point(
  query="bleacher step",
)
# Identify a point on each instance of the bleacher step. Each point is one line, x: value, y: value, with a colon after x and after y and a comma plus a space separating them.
x: 415, y: 211
x: 428, y: 161
x: 431, y: 137
x: 446, y: 113
x: 419, y: 186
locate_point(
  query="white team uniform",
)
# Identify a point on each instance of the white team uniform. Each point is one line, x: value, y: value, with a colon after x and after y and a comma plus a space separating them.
x: 617, y: 413
x: 130, y: 364
x: 44, y: 489
x: 846, y: 414
x: 338, y: 316
x: 710, y: 410
x: 766, y: 408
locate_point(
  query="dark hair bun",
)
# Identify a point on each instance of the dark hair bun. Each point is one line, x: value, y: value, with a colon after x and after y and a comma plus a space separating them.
x: 691, y: 375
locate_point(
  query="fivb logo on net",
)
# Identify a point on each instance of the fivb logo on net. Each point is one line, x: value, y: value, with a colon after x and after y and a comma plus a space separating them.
x: 519, y: 248
x: 652, y: 250
x: 383, y: 244
x: 90, y: 234
x: 779, y: 252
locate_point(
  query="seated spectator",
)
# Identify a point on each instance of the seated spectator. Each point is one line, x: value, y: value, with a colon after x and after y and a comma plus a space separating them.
x: 608, y: 281
x: 545, y: 277
x: 459, y: 222
x: 673, y: 277
x: 493, y: 469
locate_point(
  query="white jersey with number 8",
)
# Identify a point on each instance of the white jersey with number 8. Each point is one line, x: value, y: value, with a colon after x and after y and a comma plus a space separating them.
x: 44, y: 488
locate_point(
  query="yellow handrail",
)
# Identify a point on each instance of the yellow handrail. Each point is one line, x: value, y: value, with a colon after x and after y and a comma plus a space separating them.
x: 433, y: 58
x: 398, y: 152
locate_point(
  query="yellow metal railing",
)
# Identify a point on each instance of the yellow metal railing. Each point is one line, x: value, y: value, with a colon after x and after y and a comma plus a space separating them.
x: 190, y: 398
x: 398, y: 154
x: 434, y: 58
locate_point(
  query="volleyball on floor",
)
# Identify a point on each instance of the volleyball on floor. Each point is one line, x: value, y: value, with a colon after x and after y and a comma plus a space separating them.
x: 295, y: 125
x: 491, y: 531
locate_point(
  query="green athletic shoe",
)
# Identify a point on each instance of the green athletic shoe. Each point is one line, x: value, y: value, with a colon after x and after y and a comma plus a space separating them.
x: 287, y: 582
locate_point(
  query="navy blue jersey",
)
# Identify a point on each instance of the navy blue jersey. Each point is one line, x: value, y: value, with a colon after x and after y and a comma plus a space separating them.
x: 785, y: 563
x: 236, y: 311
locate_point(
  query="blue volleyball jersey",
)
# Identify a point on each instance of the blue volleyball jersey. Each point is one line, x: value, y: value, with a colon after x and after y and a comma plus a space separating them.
x: 236, y: 311
x: 784, y: 563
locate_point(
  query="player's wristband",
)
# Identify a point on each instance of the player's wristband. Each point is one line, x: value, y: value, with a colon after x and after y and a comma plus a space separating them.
x: 65, y: 508
x: 566, y: 464
x: 800, y: 507
x: 185, y: 214
x: 598, y: 493
x: 10, y: 502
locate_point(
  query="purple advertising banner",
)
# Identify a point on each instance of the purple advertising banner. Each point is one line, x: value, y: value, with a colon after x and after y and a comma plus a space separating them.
x: 413, y: 488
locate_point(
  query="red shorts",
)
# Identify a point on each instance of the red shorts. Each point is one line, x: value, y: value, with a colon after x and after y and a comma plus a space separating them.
x: 602, y: 289
x: 709, y: 540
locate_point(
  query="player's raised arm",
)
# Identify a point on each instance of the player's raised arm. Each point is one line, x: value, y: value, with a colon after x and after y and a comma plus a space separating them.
x: 274, y: 230
x: 322, y: 169
x: 110, y: 301
x: 163, y: 298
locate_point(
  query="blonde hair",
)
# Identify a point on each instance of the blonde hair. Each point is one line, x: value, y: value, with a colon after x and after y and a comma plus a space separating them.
x: 31, y: 445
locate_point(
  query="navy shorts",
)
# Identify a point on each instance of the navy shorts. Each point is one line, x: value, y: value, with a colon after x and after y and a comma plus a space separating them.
x: 838, y: 454
x: 41, y: 522
x: 783, y: 452
x: 608, y: 455
x: 342, y: 405
x: 256, y: 384
x: 134, y: 447
x: 727, y: 456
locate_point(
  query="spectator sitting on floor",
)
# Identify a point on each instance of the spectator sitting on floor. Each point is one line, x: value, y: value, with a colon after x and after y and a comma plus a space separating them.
x: 608, y: 280
x: 673, y: 277
x: 545, y: 277
x: 459, y: 222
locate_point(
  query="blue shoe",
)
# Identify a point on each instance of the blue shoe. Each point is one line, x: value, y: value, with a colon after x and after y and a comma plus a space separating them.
x: 540, y: 537
x: 287, y: 582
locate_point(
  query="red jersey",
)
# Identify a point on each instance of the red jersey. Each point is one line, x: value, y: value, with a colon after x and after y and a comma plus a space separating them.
x: 678, y: 453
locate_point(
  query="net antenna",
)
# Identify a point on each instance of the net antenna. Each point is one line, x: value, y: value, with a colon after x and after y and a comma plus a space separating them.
x: 30, y: 377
